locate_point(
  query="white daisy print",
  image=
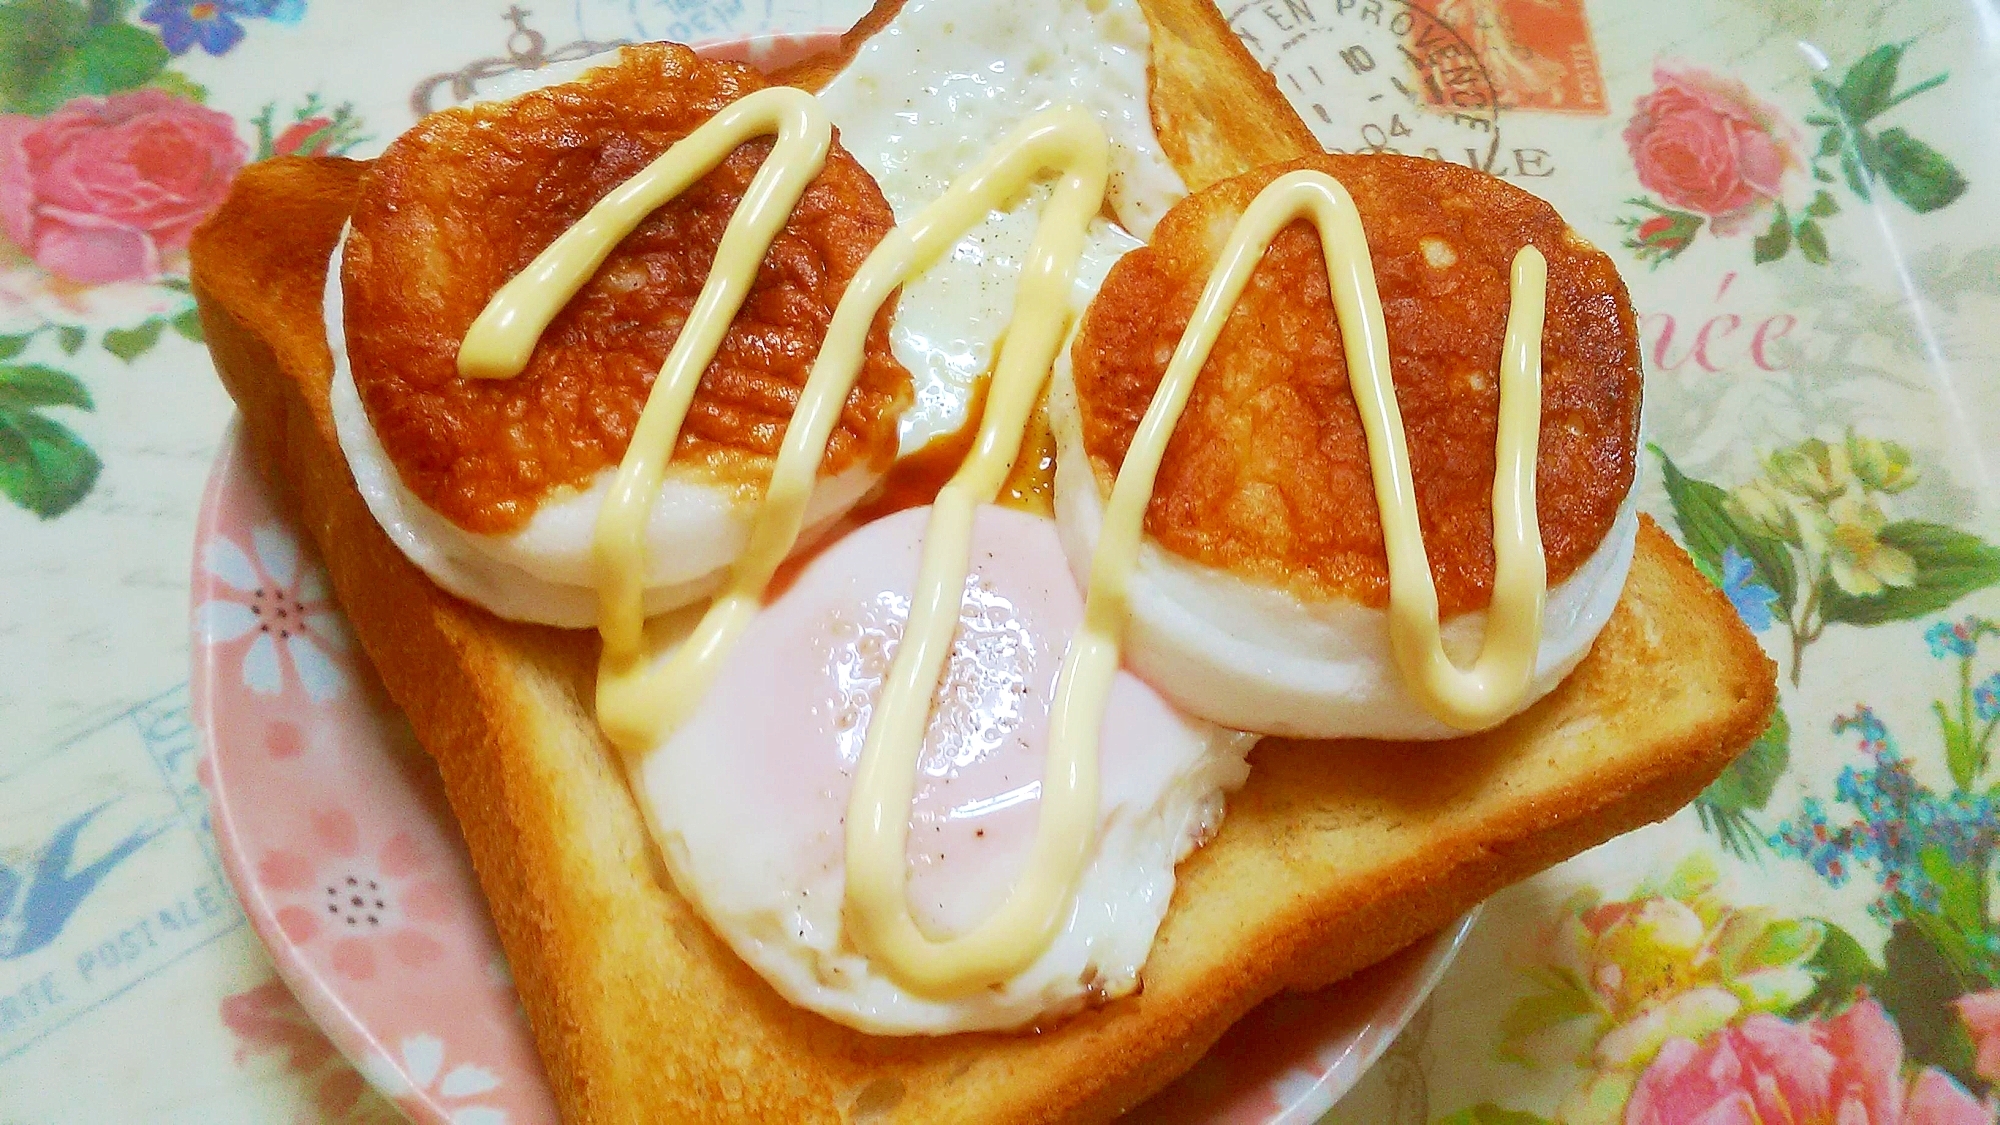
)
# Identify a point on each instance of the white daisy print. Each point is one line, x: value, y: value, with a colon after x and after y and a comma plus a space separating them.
x: 278, y: 599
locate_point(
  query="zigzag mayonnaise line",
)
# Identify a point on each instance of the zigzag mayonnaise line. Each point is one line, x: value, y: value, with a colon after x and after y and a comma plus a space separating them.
x: 1495, y: 686
x: 503, y: 336
x: 640, y: 703
x: 878, y: 817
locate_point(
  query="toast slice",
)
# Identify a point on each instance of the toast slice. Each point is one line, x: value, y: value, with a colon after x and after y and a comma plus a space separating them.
x: 1333, y: 856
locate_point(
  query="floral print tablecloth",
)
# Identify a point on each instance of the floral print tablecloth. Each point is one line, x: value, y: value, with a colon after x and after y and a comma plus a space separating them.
x: 1800, y: 196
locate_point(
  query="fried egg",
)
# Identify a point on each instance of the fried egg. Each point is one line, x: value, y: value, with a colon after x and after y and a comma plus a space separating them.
x: 778, y: 733
x: 749, y: 798
x: 916, y: 107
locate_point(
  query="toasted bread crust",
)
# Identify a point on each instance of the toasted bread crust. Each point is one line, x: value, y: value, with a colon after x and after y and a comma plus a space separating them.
x: 1333, y: 855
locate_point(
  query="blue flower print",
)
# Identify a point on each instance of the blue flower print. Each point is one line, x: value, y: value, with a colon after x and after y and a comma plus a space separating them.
x: 1813, y: 838
x: 213, y: 24
x: 1986, y: 698
x: 1751, y: 598
x: 1900, y: 820
x: 1949, y: 639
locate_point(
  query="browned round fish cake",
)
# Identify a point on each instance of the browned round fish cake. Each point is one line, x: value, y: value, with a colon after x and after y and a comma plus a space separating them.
x: 466, y: 199
x: 1267, y: 473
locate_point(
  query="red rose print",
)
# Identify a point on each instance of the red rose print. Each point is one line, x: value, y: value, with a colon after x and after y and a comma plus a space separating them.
x: 311, y: 137
x: 103, y: 189
x: 1707, y: 144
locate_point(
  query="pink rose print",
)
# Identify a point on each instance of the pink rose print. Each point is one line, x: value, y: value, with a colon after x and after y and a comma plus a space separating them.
x: 103, y: 189
x: 367, y: 903
x: 278, y: 600
x: 1707, y: 144
x: 1842, y: 1071
x: 1981, y: 1013
x: 267, y: 1020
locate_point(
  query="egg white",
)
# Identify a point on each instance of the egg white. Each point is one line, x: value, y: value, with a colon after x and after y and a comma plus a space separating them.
x: 1252, y: 656
x: 544, y: 571
x: 928, y: 95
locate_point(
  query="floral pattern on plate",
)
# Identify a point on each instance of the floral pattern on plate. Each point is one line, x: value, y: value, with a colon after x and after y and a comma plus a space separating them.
x: 335, y: 831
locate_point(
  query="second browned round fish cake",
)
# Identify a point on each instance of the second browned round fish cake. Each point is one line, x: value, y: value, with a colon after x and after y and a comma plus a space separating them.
x: 466, y: 199
x: 1267, y: 473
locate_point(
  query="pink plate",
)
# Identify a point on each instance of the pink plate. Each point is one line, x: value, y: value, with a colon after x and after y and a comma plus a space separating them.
x: 334, y: 829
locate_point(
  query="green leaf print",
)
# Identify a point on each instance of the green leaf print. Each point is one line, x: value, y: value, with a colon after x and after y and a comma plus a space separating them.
x: 52, y: 51
x: 188, y: 325
x: 111, y: 58
x: 129, y: 344
x: 1918, y: 984
x: 11, y: 346
x: 1963, y: 754
x: 1812, y: 243
x: 1839, y: 968
x: 1708, y: 530
x: 1916, y: 173
x: 1774, y: 243
x: 1869, y: 84
x: 70, y: 339
x: 44, y: 467
x: 1961, y: 903
x: 32, y: 386
x: 1851, y: 167
x: 1923, y: 178
x: 1949, y: 565
x: 1746, y: 787
x: 36, y: 37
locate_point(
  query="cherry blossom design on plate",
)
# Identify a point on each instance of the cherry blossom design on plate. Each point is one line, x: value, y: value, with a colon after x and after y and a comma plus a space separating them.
x: 275, y: 608
x: 333, y: 826
x: 364, y: 901
x: 419, y: 1070
x: 267, y: 1021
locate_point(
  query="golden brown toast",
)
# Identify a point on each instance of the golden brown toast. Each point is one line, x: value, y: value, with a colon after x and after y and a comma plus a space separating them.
x: 1333, y: 855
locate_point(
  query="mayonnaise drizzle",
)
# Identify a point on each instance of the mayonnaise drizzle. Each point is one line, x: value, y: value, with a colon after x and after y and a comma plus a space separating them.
x: 640, y: 701
x: 1497, y: 683
x: 878, y: 815
x: 503, y: 337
